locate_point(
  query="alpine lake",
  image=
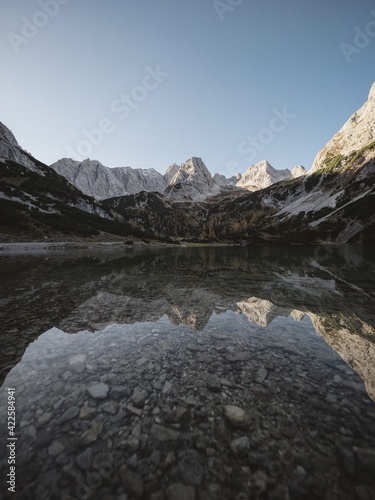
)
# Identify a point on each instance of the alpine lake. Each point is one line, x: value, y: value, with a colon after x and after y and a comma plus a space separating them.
x: 188, y: 373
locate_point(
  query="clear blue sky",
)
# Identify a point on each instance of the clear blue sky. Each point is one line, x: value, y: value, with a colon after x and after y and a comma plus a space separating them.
x: 223, y: 75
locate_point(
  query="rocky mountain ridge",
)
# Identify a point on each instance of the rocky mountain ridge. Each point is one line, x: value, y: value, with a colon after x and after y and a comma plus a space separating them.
x: 334, y: 203
x: 190, y: 181
x: 262, y: 175
x: 11, y: 150
x: 357, y: 133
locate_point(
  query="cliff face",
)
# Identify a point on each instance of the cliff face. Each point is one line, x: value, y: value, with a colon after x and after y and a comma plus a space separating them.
x: 357, y: 133
x: 349, y: 337
x: 10, y: 149
x: 192, y: 182
x: 100, y: 182
x: 262, y: 175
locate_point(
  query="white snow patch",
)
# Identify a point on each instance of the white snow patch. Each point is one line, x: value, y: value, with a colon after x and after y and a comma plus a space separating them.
x: 317, y: 222
x: 27, y: 203
x: 313, y: 286
x: 311, y: 202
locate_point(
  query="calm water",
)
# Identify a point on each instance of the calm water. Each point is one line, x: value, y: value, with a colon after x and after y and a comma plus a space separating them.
x: 190, y: 373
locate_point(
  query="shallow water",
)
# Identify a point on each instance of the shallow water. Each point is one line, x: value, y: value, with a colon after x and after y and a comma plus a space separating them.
x: 126, y: 367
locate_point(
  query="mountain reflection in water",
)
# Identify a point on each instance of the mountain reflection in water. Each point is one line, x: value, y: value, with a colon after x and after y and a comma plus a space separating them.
x: 239, y: 326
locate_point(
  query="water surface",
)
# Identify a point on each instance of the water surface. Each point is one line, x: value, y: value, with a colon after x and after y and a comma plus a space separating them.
x: 127, y: 365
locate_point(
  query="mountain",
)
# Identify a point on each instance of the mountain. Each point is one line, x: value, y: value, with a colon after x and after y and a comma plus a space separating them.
x: 192, y: 182
x: 171, y: 172
x: 223, y: 181
x: 100, y: 182
x: 357, y: 133
x: 37, y: 203
x: 262, y: 175
x: 332, y: 203
x: 10, y: 149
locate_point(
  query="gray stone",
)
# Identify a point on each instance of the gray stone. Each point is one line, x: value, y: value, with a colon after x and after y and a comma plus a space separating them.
x: 55, y: 449
x: 84, y: 459
x: 62, y: 459
x: 331, y: 398
x: 237, y: 417
x: 179, y: 491
x: 160, y: 433
x: 139, y: 397
x: 190, y: 468
x: 132, y: 444
x: 132, y: 462
x: 98, y: 390
x: 213, y: 383
x: 157, y: 385
x: 134, y: 410
x: 110, y: 407
x: 183, y: 415
x: 167, y: 387
x: 68, y: 415
x: 87, y: 412
x: 133, y: 484
x: 77, y: 359
x: 240, y: 446
x: 45, y: 418
x: 92, y: 434
x: 191, y: 401
x: 121, y: 392
x: 29, y: 431
x: 260, y: 375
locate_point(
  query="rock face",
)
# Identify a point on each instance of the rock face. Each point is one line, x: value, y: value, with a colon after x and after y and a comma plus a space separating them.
x: 221, y: 180
x: 260, y: 311
x: 358, y: 132
x: 298, y: 171
x: 192, y: 182
x: 100, y: 182
x: 171, y: 172
x: 262, y: 175
x: 10, y: 149
x: 351, y: 342
x: 189, y: 182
